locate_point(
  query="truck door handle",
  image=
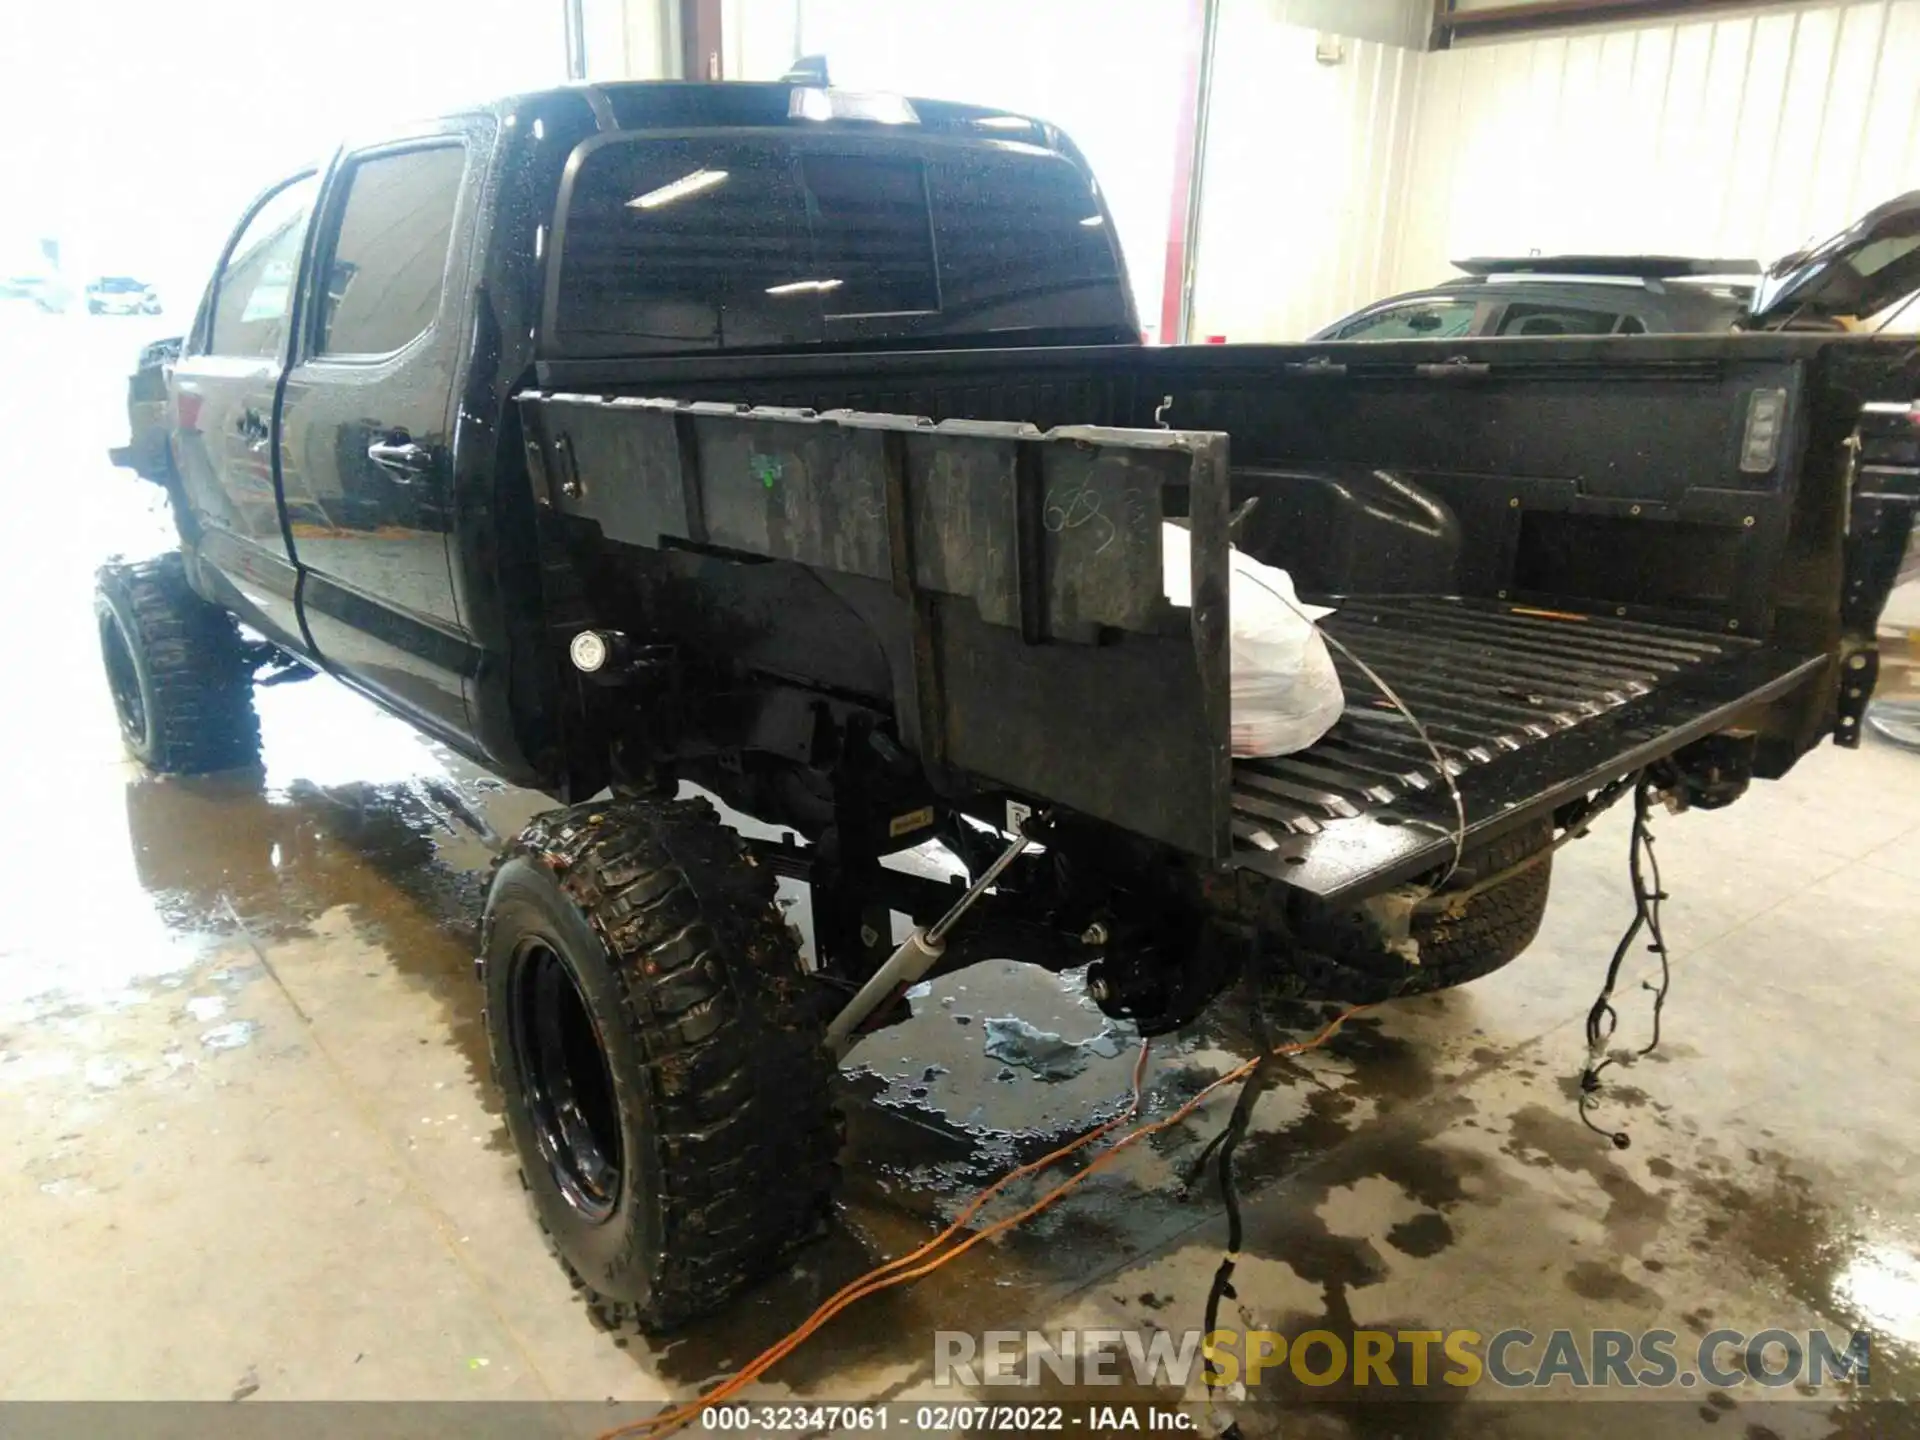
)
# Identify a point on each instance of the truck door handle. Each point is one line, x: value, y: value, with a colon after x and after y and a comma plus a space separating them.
x: 401, y: 458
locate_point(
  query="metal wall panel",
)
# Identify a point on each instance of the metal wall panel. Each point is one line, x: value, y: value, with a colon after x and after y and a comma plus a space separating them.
x: 1739, y: 134
x: 1392, y: 22
x: 1307, y: 141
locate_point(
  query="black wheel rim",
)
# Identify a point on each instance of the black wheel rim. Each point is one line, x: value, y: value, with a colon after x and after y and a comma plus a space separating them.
x: 566, y: 1080
x: 123, y: 678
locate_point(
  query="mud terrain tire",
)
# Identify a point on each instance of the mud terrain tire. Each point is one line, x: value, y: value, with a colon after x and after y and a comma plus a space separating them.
x: 661, y: 1057
x: 179, y: 674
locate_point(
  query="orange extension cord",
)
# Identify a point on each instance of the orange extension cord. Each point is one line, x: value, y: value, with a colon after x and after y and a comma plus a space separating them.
x: 905, y: 1268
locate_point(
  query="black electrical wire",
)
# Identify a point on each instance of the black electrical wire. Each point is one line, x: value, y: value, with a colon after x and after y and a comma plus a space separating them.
x: 1221, y: 1150
x: 1602, y: 1020
x: 1643, y: 873
x: 1222, y: 1146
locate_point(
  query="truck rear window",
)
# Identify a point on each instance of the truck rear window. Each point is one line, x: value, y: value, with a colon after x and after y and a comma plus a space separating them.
x: 873, y: 230
x: 723, y: 243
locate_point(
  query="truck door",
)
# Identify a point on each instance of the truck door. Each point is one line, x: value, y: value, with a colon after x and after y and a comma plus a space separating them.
x: 222, y: 393
x: 366, y: 426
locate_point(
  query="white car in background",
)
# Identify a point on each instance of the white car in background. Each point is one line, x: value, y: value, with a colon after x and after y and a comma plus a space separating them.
x: 121, y: 295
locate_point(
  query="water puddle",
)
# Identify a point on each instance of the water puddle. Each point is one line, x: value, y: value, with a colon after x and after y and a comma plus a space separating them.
x: 1045, y: 1054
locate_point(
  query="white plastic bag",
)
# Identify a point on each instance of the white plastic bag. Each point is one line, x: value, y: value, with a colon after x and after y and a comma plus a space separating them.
x: 1284, y: 693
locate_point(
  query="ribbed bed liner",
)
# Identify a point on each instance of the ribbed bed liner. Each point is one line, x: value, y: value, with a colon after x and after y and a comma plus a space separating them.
x: 1523, y: 704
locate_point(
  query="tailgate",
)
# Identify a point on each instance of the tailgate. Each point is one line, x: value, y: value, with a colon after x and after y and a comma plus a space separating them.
x: 1527, y: 707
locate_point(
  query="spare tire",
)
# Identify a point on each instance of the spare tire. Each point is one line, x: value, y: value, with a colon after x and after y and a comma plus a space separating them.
x: 1339, y: 955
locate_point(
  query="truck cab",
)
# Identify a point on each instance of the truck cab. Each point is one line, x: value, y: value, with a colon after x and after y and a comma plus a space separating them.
x: 346, y: 384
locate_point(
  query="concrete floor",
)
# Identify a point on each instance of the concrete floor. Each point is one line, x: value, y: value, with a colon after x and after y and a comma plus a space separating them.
x: 252, y: 1152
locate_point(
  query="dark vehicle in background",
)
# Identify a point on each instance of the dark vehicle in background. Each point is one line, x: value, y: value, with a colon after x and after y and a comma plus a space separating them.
x: 1563, y: 295
x: 121, y: 295
x: 1869, y: 267
x: 799, y: 446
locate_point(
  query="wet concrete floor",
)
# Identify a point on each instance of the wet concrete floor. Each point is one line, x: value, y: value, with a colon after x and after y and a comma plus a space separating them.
x: 252, y: 1150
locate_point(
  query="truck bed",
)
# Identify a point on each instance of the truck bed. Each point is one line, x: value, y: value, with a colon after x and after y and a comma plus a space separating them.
x: 1627, y: 545
x: 1526, y: 707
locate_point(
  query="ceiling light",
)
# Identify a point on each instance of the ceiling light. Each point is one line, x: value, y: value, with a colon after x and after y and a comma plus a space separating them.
x: 691, y: 184
x: 1093, y: 220
x: 805, y: 287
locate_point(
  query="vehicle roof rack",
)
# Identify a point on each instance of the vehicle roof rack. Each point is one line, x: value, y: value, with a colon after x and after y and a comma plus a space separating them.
x: 1638, y: 267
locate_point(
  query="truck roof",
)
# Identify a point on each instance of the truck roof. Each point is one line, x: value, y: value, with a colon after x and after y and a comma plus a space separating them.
x: 738, y: 104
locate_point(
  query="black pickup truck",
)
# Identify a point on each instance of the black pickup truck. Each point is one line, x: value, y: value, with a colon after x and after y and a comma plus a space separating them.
x: 800, y: 445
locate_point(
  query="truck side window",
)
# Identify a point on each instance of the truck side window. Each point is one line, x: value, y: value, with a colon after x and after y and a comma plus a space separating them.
x: 387, y: 262
x: 254, y: 294
x: 1556, y: 320
x: 1416, y: 320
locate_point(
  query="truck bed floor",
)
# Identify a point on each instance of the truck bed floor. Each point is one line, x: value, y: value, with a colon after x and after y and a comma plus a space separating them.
x: 1522, y: 703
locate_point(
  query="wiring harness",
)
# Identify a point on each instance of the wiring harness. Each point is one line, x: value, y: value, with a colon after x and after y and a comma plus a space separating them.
x: 1603, y: 1021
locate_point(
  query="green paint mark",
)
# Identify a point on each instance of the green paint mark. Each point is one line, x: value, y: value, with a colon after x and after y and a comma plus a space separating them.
x: 766, y: 468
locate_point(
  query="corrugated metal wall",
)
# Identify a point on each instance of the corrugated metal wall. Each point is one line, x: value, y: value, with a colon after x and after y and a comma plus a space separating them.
x: 1307, y: 140
x: 1392, y: 22
x: 1737, y: 134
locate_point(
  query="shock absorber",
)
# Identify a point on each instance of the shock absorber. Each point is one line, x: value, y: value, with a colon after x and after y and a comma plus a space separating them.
x: 919, y: 952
